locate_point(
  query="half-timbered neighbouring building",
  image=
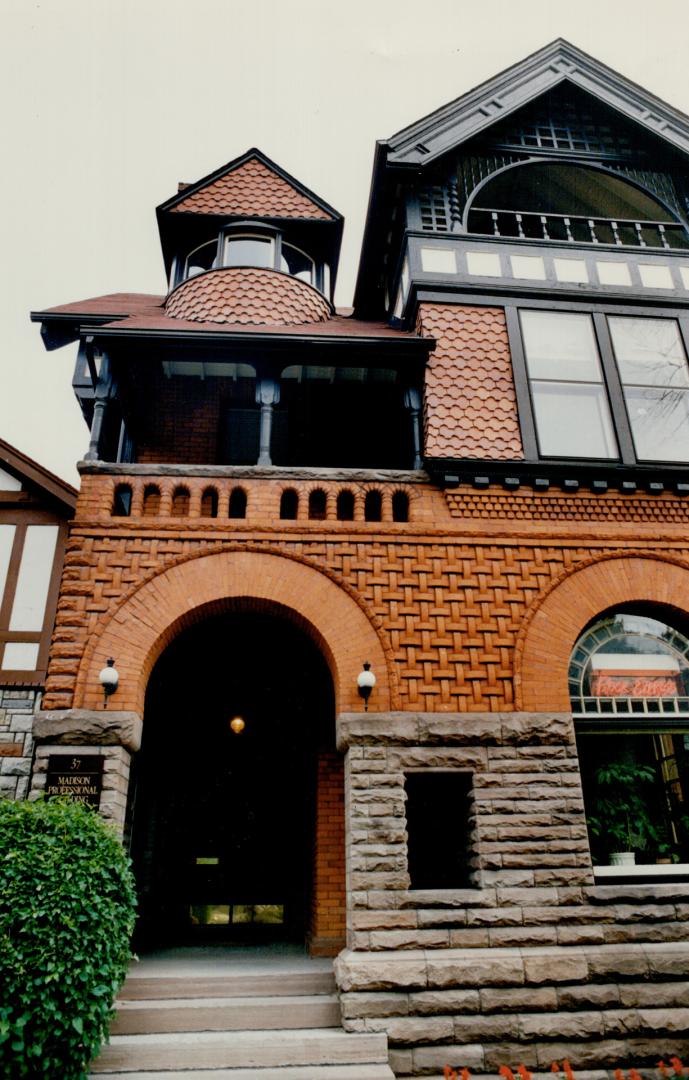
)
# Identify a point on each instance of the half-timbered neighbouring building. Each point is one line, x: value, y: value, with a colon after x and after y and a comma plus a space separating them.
x: 476, y: 484
x: 35, y: 507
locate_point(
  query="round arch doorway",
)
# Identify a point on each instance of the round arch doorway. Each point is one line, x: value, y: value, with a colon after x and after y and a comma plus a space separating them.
x: 230, y: 824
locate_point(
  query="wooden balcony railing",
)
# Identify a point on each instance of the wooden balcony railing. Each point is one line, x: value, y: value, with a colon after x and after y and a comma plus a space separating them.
x: 623, y: 232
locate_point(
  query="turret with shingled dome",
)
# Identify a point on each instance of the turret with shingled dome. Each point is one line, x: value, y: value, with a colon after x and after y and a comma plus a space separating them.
x: 249, y: 244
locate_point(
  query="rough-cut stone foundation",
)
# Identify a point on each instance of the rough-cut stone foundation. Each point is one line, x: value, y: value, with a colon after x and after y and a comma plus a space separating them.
x: 536, y: 962
x: 16, y: 741
x: 109, y: 734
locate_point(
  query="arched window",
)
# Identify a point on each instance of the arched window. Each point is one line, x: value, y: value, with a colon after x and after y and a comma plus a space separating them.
x: 209, y: 503
x: 180, y: 502
x: 345, y: 506
x: 400, y: 506
x: 289, y: 505
x: 122, y: 501
x: 237, y: 507
x: 151, y: 502
x: 297, y: 263
x: 202, y: 258
x: 373, y: 506
x: 629, y: 684
x: 318, y: 505
x: 574, y: 203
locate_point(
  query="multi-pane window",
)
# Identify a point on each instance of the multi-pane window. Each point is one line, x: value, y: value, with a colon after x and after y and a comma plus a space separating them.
x: 578, y: 363
x: 653, y: 370
x: 570, y: 402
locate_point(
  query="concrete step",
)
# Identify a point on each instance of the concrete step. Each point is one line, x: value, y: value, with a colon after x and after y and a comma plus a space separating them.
x: 129, y: 1054
x: 287, y: 1072
x: 246, y: 984
x: 226, y: 1014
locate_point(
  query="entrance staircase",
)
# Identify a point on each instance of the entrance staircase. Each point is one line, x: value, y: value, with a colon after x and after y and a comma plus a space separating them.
x: 280, y: 1024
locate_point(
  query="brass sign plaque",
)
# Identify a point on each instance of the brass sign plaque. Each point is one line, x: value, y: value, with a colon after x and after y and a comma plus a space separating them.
x: 80, y: 777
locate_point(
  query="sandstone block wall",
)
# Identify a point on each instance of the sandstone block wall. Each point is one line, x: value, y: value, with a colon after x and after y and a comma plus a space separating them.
x: 116, y: 767
x: 16, y: 741
x: 534, y: 963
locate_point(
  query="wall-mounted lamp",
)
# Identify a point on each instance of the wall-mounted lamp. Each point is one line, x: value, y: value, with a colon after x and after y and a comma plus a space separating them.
x: 237, y: 724
x: 109, y: 679
x: 365, y: 681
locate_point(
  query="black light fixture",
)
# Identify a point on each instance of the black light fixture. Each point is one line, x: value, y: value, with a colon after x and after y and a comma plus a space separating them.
x: 109, y: 679
x: 365, y: 682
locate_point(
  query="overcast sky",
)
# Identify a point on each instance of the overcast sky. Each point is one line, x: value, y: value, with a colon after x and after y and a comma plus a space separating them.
x: 108, y: 103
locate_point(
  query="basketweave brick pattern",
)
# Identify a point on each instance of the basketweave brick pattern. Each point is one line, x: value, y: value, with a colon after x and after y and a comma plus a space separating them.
x: 559, y: 506
x: 16, y: 742
x: 254, y: 190
x: 534, y: 964
x: 247, y: 295
x: 450, y: 598
x: 470, y: 405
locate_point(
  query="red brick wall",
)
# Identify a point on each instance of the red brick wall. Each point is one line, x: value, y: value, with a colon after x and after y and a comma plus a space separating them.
x: 446, y: 595
x: 328, y: 905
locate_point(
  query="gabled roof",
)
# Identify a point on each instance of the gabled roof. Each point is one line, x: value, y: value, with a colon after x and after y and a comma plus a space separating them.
x: 250, y: 186
x: 35, y: 476
x: 427, y: 139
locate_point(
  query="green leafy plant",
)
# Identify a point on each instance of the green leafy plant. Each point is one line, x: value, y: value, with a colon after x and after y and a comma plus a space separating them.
x: 620, y: 806
x: 66, y: 917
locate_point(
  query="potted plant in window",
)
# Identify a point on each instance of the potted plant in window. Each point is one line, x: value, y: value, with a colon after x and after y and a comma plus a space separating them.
x: 620, y: 814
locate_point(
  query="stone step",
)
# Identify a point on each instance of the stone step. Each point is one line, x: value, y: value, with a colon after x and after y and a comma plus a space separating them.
x: 226, y: 1014
x: 239, y: 1050
x: 247, y: 984
x: 286, y: 1072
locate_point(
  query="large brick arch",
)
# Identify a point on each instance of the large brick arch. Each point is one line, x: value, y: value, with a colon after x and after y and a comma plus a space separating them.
x: 556, y: 621
x: 142, y: 627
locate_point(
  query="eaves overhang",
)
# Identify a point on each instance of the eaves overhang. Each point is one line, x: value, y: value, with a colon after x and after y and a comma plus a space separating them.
x: 427, y: 139
x: 50, y: 486
x: 569, y: 476
x: 409, y: 346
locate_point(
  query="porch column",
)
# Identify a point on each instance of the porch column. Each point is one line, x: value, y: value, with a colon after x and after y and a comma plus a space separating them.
x: 412, y: 400
x: 267, y: 395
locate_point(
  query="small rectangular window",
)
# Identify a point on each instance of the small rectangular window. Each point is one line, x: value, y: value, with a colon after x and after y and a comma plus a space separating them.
x: 438, y: 848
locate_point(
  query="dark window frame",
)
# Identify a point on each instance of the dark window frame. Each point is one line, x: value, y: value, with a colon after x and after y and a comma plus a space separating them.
x: 21, y: 520
x: 612, y: 382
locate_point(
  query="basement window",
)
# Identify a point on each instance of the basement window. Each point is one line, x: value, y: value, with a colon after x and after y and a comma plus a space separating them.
x: 438, y: 830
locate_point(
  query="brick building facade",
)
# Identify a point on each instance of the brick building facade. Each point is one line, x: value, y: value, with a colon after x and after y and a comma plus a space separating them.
x: 478, y: 485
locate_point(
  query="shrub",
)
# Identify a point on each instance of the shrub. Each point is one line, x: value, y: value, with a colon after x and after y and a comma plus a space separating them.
x: 66, y: 916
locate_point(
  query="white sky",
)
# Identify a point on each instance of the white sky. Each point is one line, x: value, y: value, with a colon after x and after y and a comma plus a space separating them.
x: 108, y: 103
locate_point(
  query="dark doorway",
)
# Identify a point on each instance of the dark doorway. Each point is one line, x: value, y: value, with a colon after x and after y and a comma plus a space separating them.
x: 223, y: 820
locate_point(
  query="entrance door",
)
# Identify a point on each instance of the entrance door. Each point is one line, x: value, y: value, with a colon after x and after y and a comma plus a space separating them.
x: 224, y: 820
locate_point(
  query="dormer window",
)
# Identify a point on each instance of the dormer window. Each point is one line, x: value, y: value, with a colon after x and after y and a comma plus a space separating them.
x: 202, y: 258
x: 238, y: 245
x: 247, y: 249
x: 297, y: 263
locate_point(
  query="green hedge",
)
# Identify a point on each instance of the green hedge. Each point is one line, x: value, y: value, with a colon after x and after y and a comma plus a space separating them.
x: 66, y: 917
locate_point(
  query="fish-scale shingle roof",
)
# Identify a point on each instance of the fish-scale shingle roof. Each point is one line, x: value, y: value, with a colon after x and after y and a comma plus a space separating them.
x: 250, y: 295
x: 470, y: 401
x: 252, y: 190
